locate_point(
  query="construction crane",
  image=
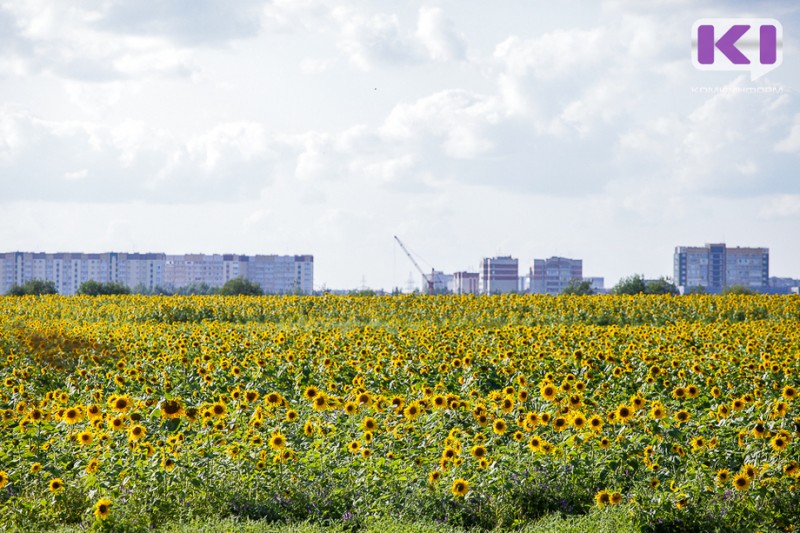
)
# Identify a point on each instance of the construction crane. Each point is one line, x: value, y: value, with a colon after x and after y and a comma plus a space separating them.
x: 428, y: 280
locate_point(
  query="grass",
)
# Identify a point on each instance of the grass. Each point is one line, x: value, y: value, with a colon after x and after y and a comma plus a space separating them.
x: 598, y: 521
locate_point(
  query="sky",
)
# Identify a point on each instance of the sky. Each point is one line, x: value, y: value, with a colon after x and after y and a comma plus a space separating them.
x: 468, y: 129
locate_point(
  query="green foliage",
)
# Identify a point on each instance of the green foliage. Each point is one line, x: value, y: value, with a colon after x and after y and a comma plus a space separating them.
x: 98, y: 288
x: 578, y: 287
x: 739, y: 290
x: 660, y: 286
x: 240, y: 287
x: 34, y: 287
x: 196, y: 289
x: 697, y: 290
x: 630, y: 285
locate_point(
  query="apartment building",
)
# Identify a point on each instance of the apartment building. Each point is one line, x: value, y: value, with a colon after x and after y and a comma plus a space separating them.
x: 551, y: 276
x: 715, y: 267
x: 498, y: 275
x: 148, y: 271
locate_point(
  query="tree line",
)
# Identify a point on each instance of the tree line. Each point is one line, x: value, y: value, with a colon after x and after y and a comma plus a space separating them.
x: 234, y: 287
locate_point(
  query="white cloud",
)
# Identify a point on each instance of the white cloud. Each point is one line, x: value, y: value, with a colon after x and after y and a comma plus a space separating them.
x: 791, y: 143
x: 457, y: 118
x: 373, y: 39
x: 784, y: 206
x: 438, y: 36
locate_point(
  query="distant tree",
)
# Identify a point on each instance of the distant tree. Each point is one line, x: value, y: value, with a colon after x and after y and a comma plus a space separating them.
x: 630, y: 285
x: 738, y: 289
x: 195, y: 289
x: 699, y: 289
x: 99, y: 288
x: 240, y: 286
x: 33, y: 287
x: 578, y: 287
x: 660, y: 286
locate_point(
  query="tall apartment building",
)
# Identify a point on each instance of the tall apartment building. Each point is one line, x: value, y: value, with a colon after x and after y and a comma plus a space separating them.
x: 715, y: 267
x: 551, y: 276
x: 465, y: 283
x: 498, y: 275
x: 282, y: 273
x: 275, y: 274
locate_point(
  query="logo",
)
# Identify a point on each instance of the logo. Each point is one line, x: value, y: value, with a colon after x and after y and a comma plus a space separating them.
x: 751, y: 44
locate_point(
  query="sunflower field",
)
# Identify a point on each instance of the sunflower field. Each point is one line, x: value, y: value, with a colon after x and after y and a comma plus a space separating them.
x: 131, y: 412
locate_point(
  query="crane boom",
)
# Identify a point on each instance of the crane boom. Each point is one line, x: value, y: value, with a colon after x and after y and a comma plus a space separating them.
x: 429, y: 280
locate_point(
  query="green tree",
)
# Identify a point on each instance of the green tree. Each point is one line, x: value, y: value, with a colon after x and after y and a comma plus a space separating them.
x: 578, y: 287
x: 699, y: 289
x: 33, y: 287
x: 738, y: 289
x: 240, y: 286
x: 661, y: 286
x: 630, y: 285
x: 98, y: 288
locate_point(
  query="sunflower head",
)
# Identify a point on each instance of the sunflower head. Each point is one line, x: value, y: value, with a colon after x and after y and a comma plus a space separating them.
x: 102, y: 509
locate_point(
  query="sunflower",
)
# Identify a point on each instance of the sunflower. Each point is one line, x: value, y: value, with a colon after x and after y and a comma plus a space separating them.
x: 171, y: 409
x: 354, y: 446
x: 750, y: 470
x: 779, y: 443
x: 369, y: 424
x: 3, y: 478
x: 412, y: 411
x: 682, y: 416
x: 657, y: 411
x: 479, y: 451
x: 602, y: 498
x: 350, y: 408
x: 548, y: 392
x: 578, y: 421
x: 168, y: 464
x: 121, y: 403
x: 434, y: 476
x: 218, y: 409
x: 274, y: 399
x: 789, y: 393
x: 741, y: 481
x: 616, y: 497
x: 507, y: 405
x: 723, y: 475
x: 72, y: 415
x: 320, y: 402
x: 460, y: 487
x: 560, y: 423
x: 277, y: 441
x: 624, y: 413
x: 102, y: 509
x: 35, y: 469
x: 792, y: 469
x: 136, y: 432
x: 605, y: 443
x: 92, y: 466
x: 595, y: 423
x: 291, y: 415
x: 117, y: 423
x: 85, y: 437
x: 56, y: 484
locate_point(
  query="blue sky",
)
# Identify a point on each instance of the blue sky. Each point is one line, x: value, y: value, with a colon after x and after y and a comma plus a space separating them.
x: 469, y: 129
